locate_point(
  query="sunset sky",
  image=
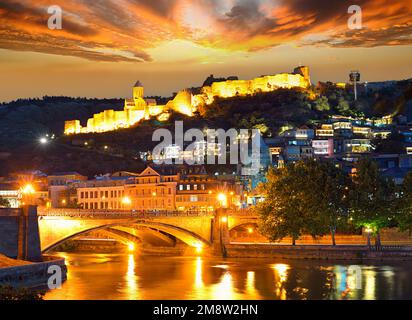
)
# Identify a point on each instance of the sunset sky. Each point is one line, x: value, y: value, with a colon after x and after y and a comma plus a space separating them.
x: 105, y: 46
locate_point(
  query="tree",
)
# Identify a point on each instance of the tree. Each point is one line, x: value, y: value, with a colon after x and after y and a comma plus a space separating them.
x: 372, y: 198
x: 304, y: 197
x: 4, y: 203
x: 404, y: 217
x: 328, y: 195
x: 343, y: 105
x: 282, y: 213
x: 322, y: 104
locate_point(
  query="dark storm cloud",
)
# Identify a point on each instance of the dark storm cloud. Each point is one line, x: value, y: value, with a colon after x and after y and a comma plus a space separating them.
x: 247, y: 17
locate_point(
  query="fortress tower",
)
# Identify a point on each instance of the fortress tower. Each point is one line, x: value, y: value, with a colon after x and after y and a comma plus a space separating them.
x: 138, y: 91
x: 303, y: 71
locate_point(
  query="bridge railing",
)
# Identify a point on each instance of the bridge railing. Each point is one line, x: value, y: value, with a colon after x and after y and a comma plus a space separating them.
x: 84, y: 213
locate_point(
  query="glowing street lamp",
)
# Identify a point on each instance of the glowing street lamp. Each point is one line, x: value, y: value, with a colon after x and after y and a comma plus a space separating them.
x: 126, y: 201
x: 28, y: 189
x: 130, y: 246
x: 222, y: 198
x: 43, y: 140
x: 368, y: 231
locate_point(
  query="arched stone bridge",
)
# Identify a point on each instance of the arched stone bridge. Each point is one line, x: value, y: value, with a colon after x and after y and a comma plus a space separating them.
x: 194, y: 229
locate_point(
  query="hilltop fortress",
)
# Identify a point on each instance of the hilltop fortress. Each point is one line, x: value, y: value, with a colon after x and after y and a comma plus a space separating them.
x: 185, y: 102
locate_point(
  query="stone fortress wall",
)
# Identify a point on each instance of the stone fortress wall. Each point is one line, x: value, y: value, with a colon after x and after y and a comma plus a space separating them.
x: 138, y: 108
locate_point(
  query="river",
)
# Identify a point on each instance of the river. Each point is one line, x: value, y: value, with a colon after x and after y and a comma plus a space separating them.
x: 132, y: 276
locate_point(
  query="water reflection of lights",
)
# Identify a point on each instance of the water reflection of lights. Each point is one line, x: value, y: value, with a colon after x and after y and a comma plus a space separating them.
x: 221, y: 266
x: 343, y: 282
x: 370, y: 284
x: 389, y: 274
x: 224, y: 289
x: 281, y: 274
x: 198, y: 273
x: 131, y: 278
x: 250, y: 286
x: 282, y: 270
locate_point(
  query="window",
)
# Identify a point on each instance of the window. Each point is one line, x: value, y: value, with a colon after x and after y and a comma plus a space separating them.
x: 181, y: 187
x: 188, y: 187
x: 82, y: 195
x: 195, y: 187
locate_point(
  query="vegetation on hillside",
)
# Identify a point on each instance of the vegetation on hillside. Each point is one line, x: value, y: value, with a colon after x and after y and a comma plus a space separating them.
x: 23, y: 122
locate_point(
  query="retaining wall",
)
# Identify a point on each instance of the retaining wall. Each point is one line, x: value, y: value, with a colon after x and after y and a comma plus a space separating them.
x: 31, y: 275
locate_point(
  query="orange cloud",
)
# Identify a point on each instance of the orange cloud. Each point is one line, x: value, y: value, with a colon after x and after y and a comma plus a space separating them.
x: 124, y: 30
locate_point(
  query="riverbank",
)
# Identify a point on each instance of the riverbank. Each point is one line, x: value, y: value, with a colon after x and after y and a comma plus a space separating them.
x: 18, y: 273
x: 317, y: 252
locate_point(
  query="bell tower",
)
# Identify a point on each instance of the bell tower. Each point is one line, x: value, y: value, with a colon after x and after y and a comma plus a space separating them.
x: 138, y: 91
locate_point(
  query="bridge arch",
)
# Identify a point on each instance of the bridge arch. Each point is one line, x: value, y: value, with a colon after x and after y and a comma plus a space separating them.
x: 235, y: 222
x: 56, y: 231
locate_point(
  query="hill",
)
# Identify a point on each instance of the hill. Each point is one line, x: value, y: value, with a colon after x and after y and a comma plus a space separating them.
x: 22, y: 122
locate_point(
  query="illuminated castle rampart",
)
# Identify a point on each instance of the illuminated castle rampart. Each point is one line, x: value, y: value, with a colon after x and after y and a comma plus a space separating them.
x: 138, y: 108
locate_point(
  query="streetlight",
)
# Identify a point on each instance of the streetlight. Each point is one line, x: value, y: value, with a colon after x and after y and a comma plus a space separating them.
x: 223, y: 219
x: 43, y: 140
x: 222, y: 198
x: 126, y: 201
x: 27, y: 191
x: 130, y: 246
x: 368, y: 231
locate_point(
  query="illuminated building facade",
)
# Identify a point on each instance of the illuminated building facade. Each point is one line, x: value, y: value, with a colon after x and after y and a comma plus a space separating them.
x: 135, y: 110
x: 184, y: 102
x: 162, y: 188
